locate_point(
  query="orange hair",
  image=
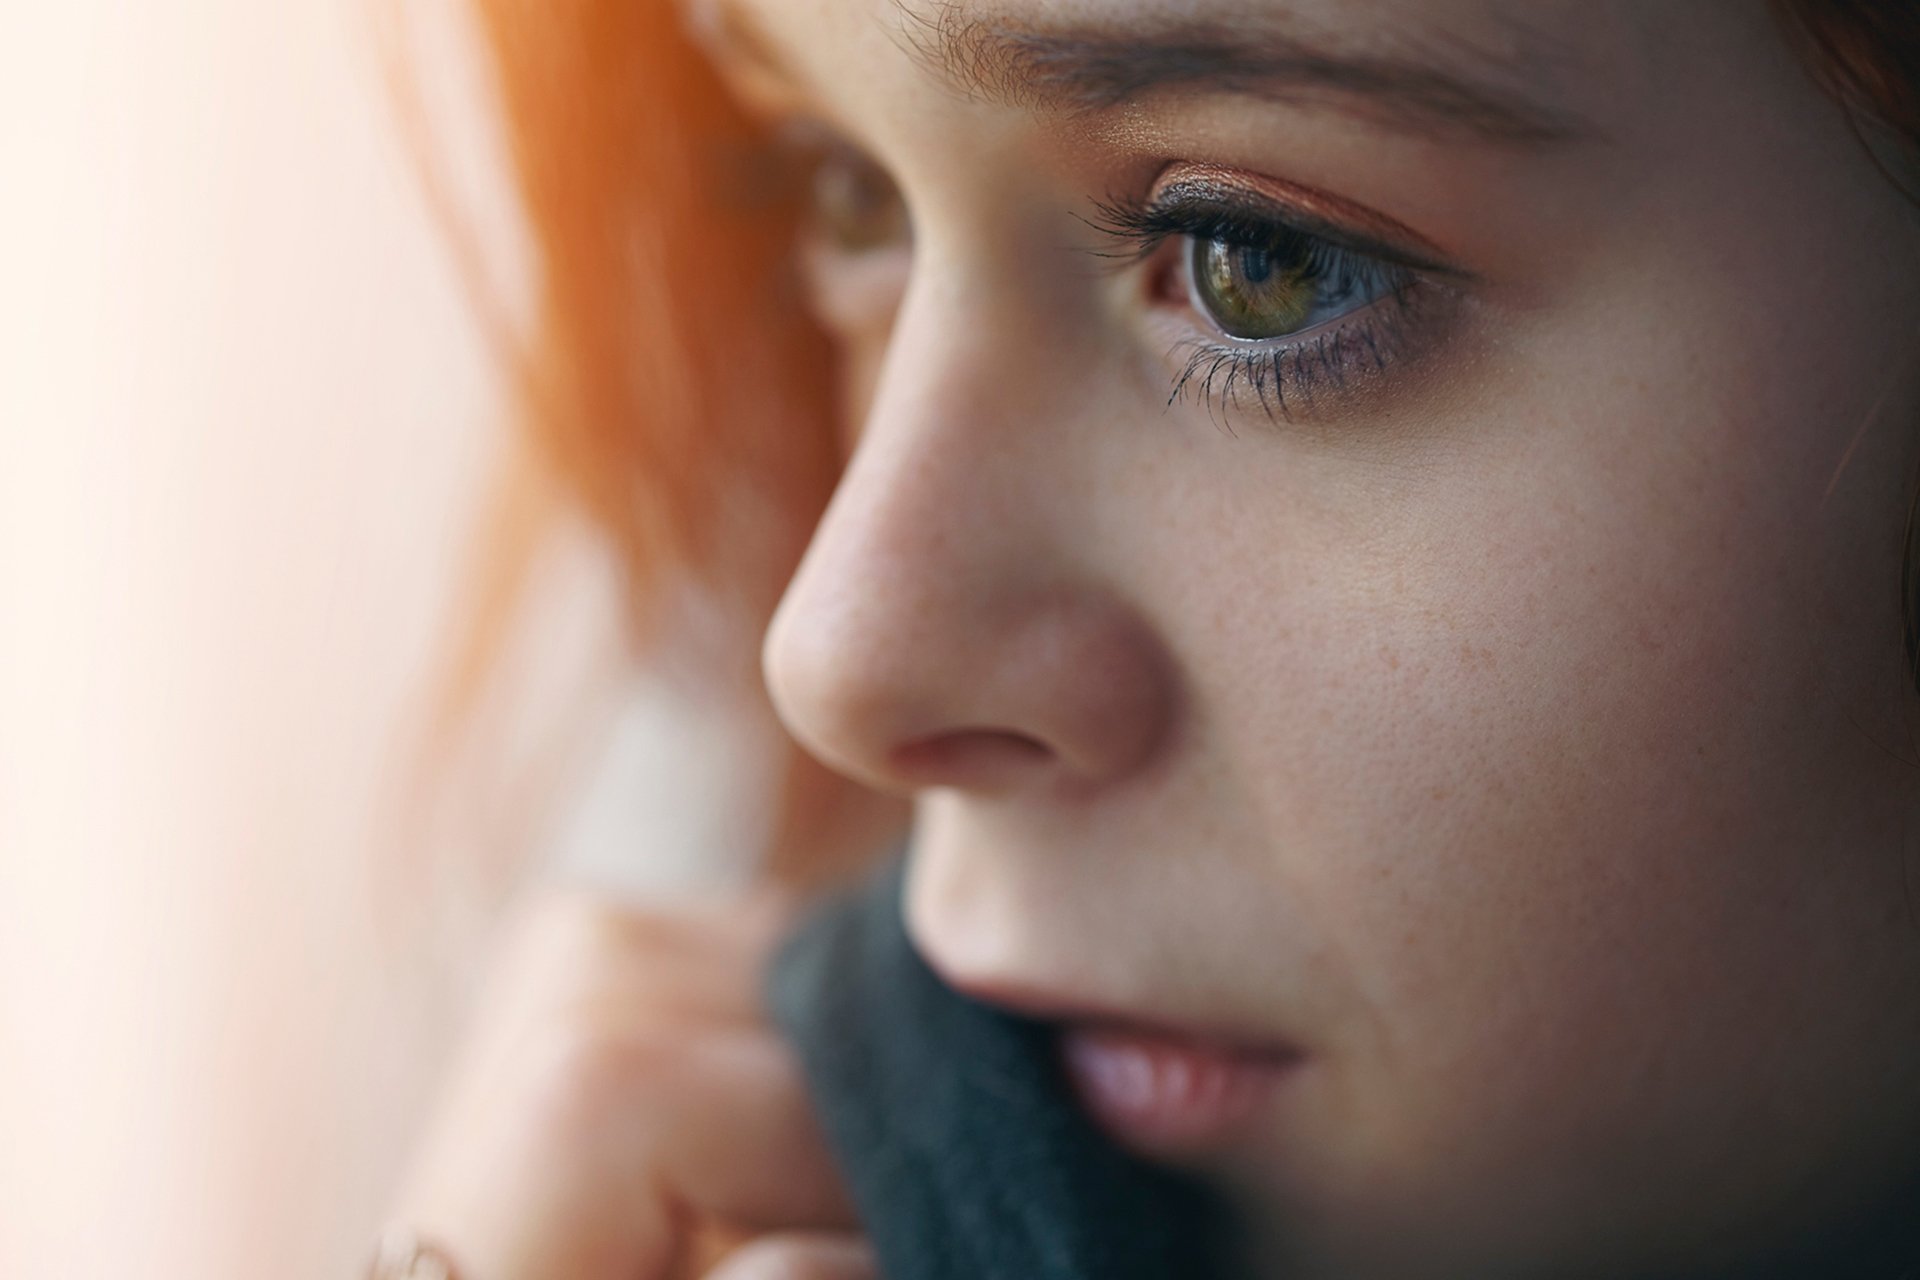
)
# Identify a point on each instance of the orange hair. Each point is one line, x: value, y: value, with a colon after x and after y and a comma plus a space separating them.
x: 672, y: 388
x: 673, y: 380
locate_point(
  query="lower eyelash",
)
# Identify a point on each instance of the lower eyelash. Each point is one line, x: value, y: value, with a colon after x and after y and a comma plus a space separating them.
x: 1284, y: 375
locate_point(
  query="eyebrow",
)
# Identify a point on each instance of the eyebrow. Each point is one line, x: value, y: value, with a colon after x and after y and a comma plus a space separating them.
x: 1087, y: 69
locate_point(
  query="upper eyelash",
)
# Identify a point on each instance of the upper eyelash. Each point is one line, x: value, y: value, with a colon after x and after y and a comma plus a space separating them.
x: 1143, y: 225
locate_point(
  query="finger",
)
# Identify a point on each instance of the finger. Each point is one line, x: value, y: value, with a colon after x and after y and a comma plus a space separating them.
x: 585, y: 1154
x: 691, y: 965
x: 800, y: 1257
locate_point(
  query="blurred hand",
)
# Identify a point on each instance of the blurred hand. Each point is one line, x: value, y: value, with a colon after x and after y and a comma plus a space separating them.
x: 622, y: 1094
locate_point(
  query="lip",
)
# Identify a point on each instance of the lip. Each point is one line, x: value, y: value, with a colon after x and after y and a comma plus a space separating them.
x: 1167, y: 1097
x: 1161, y: 1088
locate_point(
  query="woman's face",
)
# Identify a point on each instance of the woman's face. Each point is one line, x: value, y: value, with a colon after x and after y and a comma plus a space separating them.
x: 1376, y: 528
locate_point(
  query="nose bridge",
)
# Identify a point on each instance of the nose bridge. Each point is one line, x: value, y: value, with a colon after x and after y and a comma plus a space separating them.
x: 912, y: 567
x: 944, y: 627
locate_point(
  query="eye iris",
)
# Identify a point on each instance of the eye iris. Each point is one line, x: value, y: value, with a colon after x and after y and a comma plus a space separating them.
x: 855, y: 205
x: 1252, y: 291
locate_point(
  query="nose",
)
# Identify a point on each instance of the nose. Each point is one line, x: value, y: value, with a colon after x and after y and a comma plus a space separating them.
x: 952, y: 623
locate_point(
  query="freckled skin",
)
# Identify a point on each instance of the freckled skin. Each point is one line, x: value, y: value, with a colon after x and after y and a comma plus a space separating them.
x: 1524, y: 735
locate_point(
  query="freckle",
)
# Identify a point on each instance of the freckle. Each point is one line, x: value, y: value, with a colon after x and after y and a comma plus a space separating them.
x: 1393, y: 659
x: 1472, y: 657
x: 1438, y: 793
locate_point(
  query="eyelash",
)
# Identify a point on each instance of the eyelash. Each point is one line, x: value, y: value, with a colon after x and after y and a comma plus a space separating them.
x: 1279, y: 373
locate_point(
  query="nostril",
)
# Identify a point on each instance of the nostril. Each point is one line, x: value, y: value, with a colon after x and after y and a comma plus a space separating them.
x: 969, y: 758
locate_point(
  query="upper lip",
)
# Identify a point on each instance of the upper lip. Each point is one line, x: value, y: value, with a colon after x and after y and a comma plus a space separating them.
x: 1039, y: 1003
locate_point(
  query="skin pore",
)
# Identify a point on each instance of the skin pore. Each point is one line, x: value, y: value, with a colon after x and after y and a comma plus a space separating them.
x: 1488, y: 683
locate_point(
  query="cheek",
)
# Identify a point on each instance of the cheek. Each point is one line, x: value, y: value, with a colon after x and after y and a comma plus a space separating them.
x: 1566, y: 758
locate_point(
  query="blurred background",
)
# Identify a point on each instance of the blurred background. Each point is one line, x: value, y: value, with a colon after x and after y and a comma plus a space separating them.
x: 251, y: 434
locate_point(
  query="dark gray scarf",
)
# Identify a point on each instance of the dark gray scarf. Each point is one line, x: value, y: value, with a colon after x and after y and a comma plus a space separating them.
x: 952, y: 1124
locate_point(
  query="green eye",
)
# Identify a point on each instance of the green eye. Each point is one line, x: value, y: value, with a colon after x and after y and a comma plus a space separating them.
x: 1254, y: 291
x: 855, y: 207
x: 1269, y: 282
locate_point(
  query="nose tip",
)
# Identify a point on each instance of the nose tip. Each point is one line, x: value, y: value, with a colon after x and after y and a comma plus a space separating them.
x: 930, y: 687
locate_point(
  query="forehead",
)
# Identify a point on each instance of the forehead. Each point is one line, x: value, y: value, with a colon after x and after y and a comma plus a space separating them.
x: 1515, y: 20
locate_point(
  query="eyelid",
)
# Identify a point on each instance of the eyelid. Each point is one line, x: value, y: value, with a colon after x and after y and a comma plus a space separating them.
x: 1308, y: 210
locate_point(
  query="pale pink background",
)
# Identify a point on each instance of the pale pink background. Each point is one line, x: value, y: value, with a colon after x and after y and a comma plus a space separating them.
x: 246, y: 421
